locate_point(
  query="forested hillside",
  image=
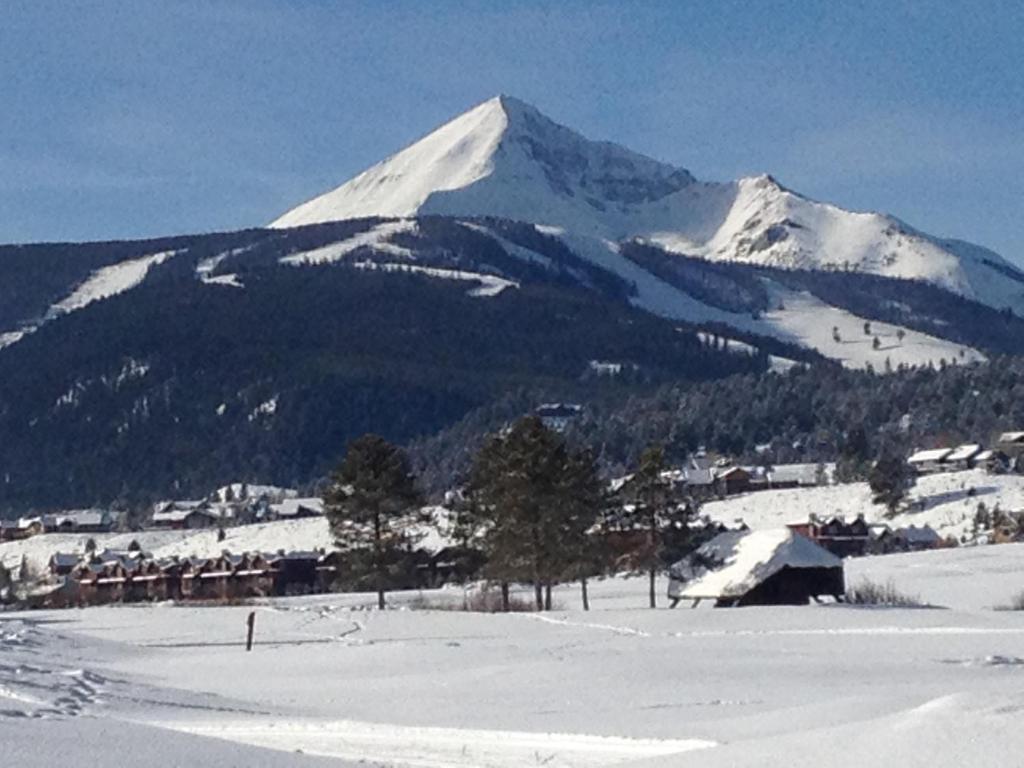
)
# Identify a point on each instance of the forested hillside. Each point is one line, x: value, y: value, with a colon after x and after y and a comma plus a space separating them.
x: 177, y: 385
x: 817, y: 413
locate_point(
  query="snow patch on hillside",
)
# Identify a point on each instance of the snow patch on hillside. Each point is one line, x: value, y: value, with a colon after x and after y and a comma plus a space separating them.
x: 12, y: 337
x: 376, y: 239
x: 109, y: 281
x: 488, y: 285
x: 803, y: 318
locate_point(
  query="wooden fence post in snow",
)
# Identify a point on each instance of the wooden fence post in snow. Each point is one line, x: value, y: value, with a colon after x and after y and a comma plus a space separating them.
x: 251, y: 622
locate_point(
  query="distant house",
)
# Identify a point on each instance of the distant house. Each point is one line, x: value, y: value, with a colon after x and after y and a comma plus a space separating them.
x: 172, y: 514
x: 558, y: 416
x: 930, y: 461
x: 962, y: 457
x: 992, y: 461
x: 99, y: 582
x: 1011, y: 441
x: 799, y: 475
x: 294, y: 509
x: 886, y: 540
x: 768, y: 567
x: 61, y: 564
x: 733, y: 480
x: 79, y: 521
x: 916, y: 539
x: 208, y: 517
x: 20, y: 529
x: 115, y: 576
x: 302, y: 572
x: 841, y: 538
x: 1011, y: 444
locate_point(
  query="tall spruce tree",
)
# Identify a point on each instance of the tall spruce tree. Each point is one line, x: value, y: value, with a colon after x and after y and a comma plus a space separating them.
x: 532, y: 505
x: 373, y: 505
x: 651, y: 504
x: 585, y: 498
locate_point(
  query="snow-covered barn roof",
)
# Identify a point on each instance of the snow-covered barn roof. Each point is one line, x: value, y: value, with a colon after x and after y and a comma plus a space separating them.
x: 748, y: 558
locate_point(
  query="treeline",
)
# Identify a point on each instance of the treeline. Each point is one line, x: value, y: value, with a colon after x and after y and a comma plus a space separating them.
x: 809, y: 414
x: 534, y: 510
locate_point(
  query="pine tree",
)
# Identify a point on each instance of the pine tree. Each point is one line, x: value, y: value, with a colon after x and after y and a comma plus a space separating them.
x: 533, y: 503
x: 889, y: 479
x: 585, y: 497
x: 654, y: 506
x: 373, y: 505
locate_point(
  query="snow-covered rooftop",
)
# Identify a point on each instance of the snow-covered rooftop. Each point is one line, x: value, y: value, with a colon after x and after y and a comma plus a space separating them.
x: 749, y: 557
x: 932, y: 454
x: 964, y: 452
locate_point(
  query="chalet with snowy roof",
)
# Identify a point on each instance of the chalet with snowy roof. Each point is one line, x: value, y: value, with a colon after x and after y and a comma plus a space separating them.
x: 930, y: 461
x: 100, y: 582
x: 296, y: 509
x: 63, y: 563
x: 20, y: 529
x: 767, y: 567
x: 172, y: 514
x: 962, y: 457
x: 79, y: 521
x: 799, y: 475
x: 733, y: 480
x: 1011, y: 440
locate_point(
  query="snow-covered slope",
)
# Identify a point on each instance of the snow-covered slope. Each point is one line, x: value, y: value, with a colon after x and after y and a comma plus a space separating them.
x: 798, y: 316
x: 947, y: 502
x: 504, y: 158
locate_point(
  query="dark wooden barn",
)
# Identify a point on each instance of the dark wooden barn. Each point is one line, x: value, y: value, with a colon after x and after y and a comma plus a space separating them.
x: 771, y: 567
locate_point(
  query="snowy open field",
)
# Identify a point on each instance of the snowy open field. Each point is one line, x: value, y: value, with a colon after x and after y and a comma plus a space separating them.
x: 331, y: 682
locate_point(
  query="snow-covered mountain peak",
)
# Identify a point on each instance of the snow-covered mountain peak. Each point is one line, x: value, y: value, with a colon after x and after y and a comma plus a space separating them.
x: 502, y: 158
x: 506, y: 159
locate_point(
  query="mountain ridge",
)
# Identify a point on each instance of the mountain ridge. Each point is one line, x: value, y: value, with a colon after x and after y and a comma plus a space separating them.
x: 504, y: 158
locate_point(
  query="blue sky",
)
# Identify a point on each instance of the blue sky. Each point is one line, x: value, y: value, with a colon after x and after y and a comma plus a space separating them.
x: 148, y: 118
